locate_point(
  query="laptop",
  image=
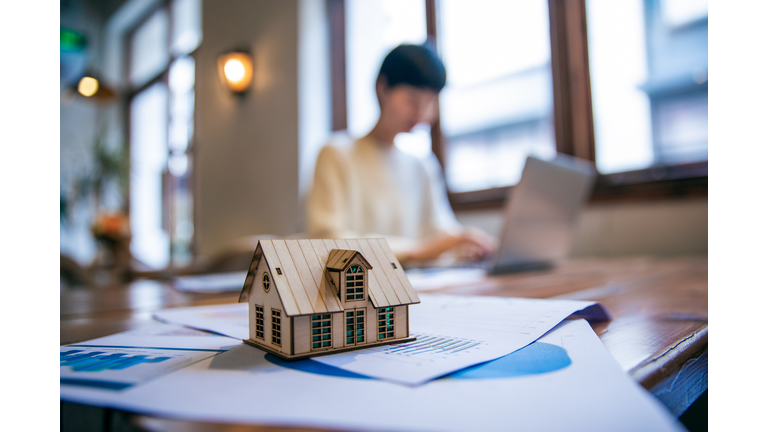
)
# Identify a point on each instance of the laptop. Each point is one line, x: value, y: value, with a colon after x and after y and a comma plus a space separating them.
x: 540, y: 216
x: 541, y: 212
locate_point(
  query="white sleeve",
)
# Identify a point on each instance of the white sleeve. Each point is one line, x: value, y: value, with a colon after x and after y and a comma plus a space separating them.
x: 441, y: 218
x: 327, y: 203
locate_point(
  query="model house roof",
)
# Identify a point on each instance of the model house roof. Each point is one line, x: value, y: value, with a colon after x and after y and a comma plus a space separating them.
x: 298, y: 267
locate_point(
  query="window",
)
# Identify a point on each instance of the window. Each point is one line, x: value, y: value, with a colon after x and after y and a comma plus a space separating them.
x: 321, y: 331
x: 623, y: 84
x: 648, y: 64
x: 161, y: 77
x: 259, y: 322
x: 373, y: 28
x: 355, y: 326
x: 276, y: 339
x: 496, y: 107
x: 386, y: 323
x: 265, y: 282
x: 355, y: 283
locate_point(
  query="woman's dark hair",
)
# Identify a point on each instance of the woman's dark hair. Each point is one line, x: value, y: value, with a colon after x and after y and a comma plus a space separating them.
x: 416, y: 65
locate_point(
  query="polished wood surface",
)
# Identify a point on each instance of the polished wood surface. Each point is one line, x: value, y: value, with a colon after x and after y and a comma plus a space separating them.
x: 658, y: 333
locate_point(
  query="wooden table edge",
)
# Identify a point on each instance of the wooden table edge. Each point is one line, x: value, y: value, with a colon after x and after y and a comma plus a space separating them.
x: 654, y: 370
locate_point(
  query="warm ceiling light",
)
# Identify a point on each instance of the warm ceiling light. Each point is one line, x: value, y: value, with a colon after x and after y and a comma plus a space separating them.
x: 88, y: 86
x: 236, y: 71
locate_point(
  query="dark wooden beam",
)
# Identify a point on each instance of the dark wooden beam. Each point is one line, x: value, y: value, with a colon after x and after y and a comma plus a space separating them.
x: 338, y: 65
x: 574, y: 132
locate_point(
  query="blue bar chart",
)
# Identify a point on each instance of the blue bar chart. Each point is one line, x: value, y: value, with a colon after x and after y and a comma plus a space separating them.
x: 118, y: 368
x: 98, y: 360
x: 431, y: 344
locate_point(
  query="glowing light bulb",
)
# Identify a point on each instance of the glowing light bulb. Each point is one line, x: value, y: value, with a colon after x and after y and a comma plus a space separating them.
x: 88, y: 86
x: 234, y: 70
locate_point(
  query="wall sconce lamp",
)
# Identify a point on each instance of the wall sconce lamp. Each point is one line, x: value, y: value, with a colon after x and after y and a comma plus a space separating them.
x: 90, y: 86
x: 236, y: 71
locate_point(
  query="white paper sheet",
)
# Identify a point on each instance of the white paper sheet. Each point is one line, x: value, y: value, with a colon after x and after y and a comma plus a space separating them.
x: 436, y: 278
x: 565, y: 381
x: 167, y: 336
x: 211, y: 283
x: 121, y: 361
x: 454, y: 332
x: 228, y: 320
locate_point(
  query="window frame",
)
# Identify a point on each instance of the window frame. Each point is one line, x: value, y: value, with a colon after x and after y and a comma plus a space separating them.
x: 168, y: 181
x: 277, y: 333
x: 321, y: 319
x: 259, y: 310
x: 572, y: 116
x: 266, y: 282
x: 358, y: 281
x: 384, y: 312
x: 357, y: 313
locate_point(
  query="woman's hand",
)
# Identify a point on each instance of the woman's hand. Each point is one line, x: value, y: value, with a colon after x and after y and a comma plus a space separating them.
x: 469, y: 243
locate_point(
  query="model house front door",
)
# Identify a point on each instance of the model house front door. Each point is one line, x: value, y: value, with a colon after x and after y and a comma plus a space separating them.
x: 354, y: 320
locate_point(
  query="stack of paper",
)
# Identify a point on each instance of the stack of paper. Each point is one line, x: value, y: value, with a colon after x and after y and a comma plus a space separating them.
x: 454, y: 332
x: 564, y: 381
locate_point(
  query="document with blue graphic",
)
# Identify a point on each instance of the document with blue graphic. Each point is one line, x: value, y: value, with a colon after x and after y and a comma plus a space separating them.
x: 454, y: 332
x: 566, y: 380
x: 121, y: 361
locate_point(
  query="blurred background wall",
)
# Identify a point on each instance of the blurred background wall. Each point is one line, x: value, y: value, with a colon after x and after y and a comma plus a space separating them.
x: 246, y: 161
x: 256, y: 153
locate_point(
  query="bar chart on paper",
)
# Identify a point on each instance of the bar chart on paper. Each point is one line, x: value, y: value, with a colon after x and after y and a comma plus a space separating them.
x: 432, y: 345
x: 455, y: 332
x: 117, y: 368
x: 94, y: 361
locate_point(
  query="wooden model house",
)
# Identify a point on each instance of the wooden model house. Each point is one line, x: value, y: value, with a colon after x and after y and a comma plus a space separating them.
x: 314, y: 297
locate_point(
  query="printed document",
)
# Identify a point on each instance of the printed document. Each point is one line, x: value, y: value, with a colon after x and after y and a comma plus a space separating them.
x: 453, y: 333
x: 566, y: 380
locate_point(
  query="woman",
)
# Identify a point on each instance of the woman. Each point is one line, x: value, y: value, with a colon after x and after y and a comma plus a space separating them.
x: 369, y: 188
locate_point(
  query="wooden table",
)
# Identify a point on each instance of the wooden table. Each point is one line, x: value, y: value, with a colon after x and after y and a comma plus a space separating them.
x: 658, y: 333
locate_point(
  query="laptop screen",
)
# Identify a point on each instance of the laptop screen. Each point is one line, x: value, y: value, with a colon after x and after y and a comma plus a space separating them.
x: 541, y: 212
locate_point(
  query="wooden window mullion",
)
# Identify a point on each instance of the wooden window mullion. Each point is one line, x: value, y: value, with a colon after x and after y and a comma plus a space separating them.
x: 574, y: 132
x: 436, y: 133
x: 338, y: 65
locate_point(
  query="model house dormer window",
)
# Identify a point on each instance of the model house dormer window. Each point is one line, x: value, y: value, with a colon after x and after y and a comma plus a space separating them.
x: 355, y: 283
x: 349, y: 272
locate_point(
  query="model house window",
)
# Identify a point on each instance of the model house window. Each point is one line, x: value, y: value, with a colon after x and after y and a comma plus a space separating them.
x: 321, y: 331
x: 386, y: 323
x: 276, y: 327
x: 355, y: 322
x: 355, y: 283
x: 259, y: 322
x: 265, y: 281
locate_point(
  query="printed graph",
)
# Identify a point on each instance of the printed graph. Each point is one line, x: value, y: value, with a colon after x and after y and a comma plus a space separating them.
x: 536, y: 358
x: 96, y: 361
x: 432, y: 344
x: 118, y: 368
